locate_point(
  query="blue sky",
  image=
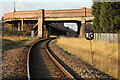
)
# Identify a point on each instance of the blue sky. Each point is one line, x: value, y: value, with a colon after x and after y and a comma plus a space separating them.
x: 8, y: 5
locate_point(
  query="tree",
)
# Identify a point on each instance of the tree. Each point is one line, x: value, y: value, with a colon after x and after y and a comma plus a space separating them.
x: 108, y: 18
x: 116, y: 16
x: 96, y: 13
x: 104, y: 17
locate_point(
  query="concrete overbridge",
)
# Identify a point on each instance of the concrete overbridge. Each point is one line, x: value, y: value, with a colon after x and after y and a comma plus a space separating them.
x: 46, y: 18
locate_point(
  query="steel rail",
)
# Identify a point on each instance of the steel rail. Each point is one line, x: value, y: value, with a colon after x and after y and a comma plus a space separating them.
x: 28, y: 71
x: 58, y: 64
x: 68, y: 75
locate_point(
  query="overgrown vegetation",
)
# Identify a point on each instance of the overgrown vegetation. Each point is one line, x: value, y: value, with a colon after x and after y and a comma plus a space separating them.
x: 12, y: 29
x: 10, y: 42
x: 11, y: 37
x: 106, y: 16
x: 105, y: 57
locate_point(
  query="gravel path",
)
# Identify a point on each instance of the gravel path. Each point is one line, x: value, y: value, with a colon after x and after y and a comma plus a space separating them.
x: 77, y: 65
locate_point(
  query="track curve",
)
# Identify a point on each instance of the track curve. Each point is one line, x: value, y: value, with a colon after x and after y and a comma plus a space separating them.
x: 42, y: 65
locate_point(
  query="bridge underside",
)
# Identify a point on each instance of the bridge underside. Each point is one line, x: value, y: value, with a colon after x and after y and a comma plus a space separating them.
x: 28, y: 25
x: 43, y: 29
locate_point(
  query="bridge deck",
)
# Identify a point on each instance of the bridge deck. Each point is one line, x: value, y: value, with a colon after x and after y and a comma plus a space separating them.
x: 70, y: 14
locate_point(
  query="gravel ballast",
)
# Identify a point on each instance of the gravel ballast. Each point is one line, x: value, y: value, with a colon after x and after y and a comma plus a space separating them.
x: 14, y: 62
x: 83, y: 69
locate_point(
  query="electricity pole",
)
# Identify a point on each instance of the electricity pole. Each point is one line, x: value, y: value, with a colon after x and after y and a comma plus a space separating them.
x: 14, y: 7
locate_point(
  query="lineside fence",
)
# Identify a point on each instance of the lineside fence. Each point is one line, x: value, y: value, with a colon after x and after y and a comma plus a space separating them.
x: 111, y: 37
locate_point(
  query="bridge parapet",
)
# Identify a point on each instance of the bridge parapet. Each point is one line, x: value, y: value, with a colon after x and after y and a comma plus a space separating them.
x: 23, y: 14
x: 49, y: 14
x: 68, y: 13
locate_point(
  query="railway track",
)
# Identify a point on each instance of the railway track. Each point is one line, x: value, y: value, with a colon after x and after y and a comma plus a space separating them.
x: 42, y: 65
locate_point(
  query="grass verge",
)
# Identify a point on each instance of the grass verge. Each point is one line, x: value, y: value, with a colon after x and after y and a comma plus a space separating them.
x: 105, y: 54
x: 10, y: 42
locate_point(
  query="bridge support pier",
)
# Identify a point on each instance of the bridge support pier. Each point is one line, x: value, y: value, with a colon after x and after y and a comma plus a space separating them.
x: 18, y: 26
x: 40, y: 27
x: 45, y: 32
x: 82, y: 30
x: 22, y: 25
x: 41, y: 23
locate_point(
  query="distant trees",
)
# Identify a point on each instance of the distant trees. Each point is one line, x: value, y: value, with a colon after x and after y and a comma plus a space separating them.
x: 88, y: 27
x: 106, y: 16
x: 12, y: 29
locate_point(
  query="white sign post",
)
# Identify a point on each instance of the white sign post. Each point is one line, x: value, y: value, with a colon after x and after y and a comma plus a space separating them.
x: 32, y: 33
